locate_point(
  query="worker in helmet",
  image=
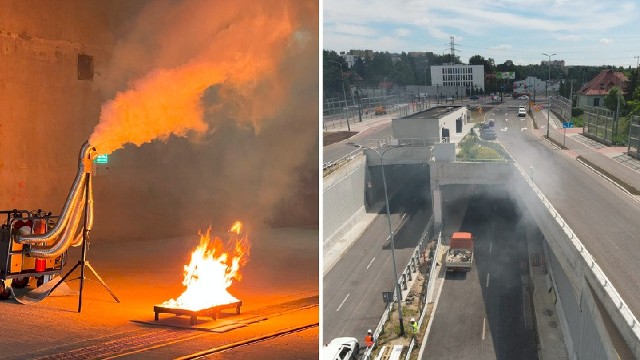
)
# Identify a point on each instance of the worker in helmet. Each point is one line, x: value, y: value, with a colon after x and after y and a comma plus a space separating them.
x: 368, y: 340
x: 414, y: 327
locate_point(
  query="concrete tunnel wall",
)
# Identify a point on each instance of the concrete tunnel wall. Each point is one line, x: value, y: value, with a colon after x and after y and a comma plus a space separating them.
x: 592, y: 332
x: 344, y: 197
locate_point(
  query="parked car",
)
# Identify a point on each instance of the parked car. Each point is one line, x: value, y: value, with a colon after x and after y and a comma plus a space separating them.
x: 381, y: 110
x: 343, y: 348
x: 474, y: 97
x: 488, y: 134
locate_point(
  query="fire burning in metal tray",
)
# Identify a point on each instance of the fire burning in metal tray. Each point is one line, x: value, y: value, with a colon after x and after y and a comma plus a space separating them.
x: 213, y: 267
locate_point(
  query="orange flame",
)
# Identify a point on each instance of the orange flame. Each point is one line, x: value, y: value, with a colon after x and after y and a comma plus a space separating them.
x: 212, y: 270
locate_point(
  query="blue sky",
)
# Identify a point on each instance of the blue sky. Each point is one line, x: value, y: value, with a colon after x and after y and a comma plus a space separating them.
x: 580, y: 32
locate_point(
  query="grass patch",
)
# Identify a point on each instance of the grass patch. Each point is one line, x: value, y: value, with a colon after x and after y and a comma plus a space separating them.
x: 474, y: 148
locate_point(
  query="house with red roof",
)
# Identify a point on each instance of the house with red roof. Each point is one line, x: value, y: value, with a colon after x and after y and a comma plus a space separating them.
x: 594, y: 92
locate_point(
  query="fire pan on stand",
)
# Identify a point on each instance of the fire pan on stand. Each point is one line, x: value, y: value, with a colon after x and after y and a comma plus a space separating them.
x: 213, y: 312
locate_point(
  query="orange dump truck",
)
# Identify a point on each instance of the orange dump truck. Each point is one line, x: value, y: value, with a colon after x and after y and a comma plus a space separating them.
x: 460, y: 254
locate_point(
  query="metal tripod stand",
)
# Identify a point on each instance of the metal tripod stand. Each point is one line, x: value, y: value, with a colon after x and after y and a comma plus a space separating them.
x: 82, y: 262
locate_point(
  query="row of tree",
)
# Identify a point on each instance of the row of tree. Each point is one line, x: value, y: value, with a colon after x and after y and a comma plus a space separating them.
x: 403, y: 69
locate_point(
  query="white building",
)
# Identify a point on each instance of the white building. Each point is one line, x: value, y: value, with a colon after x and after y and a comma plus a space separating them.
x: 350, y: 59
x: 533, y: 85
x: 458, y: 75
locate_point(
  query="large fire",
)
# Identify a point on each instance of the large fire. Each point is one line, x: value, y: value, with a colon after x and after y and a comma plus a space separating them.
x: 211, y: 271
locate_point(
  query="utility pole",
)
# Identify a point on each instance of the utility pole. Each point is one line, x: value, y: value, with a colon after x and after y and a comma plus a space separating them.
x: 346, y: 103
x: 549, y: 80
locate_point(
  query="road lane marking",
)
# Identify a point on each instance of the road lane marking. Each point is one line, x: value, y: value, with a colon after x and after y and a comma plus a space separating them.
x: 370, y: 262
x: 488, y: 275
x: 484, y: 320
x: 342, y: 303
x: 490, y: 245
x: 404, y: 215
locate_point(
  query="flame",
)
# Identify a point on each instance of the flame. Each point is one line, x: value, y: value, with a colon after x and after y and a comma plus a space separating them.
x: 211, y: 271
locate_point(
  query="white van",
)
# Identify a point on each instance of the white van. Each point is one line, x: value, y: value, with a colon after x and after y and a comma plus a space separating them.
x: 343, y: 348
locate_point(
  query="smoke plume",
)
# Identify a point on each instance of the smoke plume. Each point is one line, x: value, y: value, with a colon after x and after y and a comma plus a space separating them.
x: 233, y: 45
x: 232, y: 90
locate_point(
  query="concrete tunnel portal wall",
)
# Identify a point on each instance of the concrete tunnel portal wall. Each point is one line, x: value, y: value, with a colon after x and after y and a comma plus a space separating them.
x: 593, y: 323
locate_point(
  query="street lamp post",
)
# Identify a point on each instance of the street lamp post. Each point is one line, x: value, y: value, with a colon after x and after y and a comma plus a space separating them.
x: 393, y: 256
x: 547, y: 92
x: 343, y: 92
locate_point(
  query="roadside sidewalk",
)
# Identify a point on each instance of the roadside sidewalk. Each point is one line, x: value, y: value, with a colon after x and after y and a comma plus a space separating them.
x: 612, y: 162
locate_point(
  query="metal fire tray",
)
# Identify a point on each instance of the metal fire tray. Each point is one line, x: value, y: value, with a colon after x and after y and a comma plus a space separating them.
x: 213, y: 312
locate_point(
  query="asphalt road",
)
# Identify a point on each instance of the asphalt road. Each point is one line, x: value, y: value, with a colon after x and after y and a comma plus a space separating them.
x: 604, y: 218
x: 486, y: 313
x: 353, y: 287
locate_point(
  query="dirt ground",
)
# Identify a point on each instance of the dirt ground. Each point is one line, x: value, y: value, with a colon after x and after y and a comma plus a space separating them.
x: 331, y: 137
x: 410, y: 309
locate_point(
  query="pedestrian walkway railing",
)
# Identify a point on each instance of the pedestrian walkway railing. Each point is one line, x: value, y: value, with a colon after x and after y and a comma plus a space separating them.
x: 633, y: 144
x: 599, y: 124
x: 561, y: 107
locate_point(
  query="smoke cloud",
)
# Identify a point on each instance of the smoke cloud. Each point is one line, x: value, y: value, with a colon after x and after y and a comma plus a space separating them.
x: 232, y: 90
x: 205, y: 44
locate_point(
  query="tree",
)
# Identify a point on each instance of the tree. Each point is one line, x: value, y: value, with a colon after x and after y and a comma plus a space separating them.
x: 360, y: 68
x: 332, y: 78
x: 633, y: 84
x: 476, y: 60
x: 611, y: 100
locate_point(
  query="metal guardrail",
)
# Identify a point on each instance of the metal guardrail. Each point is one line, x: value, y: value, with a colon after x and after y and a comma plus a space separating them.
x: 411, y: 266
x: 608, y: 287
x: 429, y: 294
x: 337, y: 163
x: 351, y: 114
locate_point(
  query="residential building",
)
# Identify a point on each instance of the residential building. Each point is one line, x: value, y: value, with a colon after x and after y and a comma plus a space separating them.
x: 350, y: 59
x: 594, y: 92
x: 556, y: 63
x: 458, y: 75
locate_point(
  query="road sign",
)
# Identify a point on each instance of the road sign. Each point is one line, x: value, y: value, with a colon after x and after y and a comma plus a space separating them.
x: 505, y: 75
x: 567, y: 125
x: 387, y: 296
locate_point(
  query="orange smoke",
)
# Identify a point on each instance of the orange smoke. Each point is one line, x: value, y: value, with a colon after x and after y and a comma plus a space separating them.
x: 240, y: 49
x: 212, y: 270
